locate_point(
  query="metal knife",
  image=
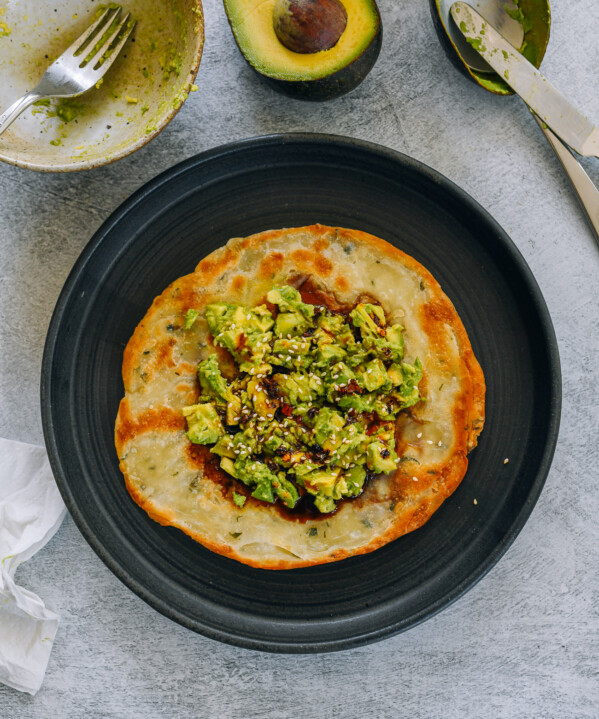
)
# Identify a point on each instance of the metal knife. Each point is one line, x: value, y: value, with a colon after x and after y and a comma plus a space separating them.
x: 538, y: 93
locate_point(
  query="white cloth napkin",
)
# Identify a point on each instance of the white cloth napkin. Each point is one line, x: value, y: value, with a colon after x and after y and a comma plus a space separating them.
x: 31, y: 510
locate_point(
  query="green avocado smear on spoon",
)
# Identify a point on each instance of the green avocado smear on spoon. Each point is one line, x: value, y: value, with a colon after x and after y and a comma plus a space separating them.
x: 314, y: 404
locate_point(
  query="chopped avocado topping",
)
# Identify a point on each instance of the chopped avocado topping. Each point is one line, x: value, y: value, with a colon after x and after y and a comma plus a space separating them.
x: 312, y: 409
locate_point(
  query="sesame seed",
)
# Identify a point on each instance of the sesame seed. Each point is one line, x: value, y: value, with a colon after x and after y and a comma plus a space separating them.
x: 506, y: 460
x: 439, y: 443
x: 369, y: 370
x: 419, y: 435
x: 429, y: 441
x: 415, y: 479
x: 475, y: 502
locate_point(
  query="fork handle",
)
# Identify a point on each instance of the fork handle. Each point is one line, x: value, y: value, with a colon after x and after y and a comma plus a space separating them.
x: 8, y: 116
x: 586, y: 191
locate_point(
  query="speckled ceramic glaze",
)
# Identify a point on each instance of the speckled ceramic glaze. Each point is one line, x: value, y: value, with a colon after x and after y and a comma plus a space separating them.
x: 139, y: 95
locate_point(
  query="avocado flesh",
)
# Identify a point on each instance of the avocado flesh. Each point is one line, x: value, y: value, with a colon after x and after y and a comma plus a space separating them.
x: 251, y: 22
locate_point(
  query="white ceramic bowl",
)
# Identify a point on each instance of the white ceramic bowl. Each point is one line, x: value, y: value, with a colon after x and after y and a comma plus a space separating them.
x: 139, y: 95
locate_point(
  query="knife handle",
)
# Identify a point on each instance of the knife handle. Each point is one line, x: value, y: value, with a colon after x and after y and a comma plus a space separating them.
x: 587, y: 192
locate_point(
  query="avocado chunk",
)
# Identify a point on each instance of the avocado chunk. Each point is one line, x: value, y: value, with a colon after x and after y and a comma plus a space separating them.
x: 354, y: 479
x: 293, y: 353
x: 381, y: 458
x: 203, y: 424
x: 370, y: 319
x: 212, y: 382
x: 329, y: 353
x: 239, y: 499
x: 408, y: 393
x: 328, y: 423
x: 298, y: 388
x: 289, y: 300
x: 374, y: 375
x: 291, y: 323
x: 329, y: 486
x: 394, y: 339
x: 190, y: 317
x: 322, y: 482
x: 324, y: 504
x: 244, y: 332
x: 286, y: 491
x: 314, y: 75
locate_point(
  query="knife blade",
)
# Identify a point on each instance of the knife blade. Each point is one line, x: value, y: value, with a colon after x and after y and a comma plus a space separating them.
x: 538, y: 93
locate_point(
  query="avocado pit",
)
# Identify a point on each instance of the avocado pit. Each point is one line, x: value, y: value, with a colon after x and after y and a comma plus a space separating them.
x: 308, y: 26
x: 308, y: 71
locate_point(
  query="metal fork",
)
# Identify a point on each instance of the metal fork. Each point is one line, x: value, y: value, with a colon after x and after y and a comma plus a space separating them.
x: 80, y: 66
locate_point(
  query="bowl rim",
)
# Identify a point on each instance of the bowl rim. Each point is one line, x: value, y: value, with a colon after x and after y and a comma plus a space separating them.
x: 80, y: 165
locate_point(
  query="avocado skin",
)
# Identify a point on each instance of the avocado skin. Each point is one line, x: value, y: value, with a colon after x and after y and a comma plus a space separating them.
x: 538, y: 38
x: 331, y: 86
x: 446, y: 43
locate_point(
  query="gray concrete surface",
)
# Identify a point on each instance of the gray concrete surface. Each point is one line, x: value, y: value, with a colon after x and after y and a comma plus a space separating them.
x: 525, y: 641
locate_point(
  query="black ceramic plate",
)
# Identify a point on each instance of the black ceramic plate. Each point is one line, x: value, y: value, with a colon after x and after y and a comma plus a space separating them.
x: 161, y: 233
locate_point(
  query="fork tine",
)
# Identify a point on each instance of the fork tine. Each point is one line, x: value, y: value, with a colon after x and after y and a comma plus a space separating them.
x: 94, y: 59
x: 115, y: 51
x: 91, y: 31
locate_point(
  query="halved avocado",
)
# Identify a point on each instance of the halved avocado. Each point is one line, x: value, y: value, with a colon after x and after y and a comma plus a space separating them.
x: 535, y: 17
x: 307, y: 76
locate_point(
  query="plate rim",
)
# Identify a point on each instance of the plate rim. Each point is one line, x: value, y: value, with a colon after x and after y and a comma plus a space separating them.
x: 450, y: 596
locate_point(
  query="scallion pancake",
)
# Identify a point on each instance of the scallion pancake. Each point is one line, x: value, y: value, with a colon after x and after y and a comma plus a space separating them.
x: 181, y: 484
